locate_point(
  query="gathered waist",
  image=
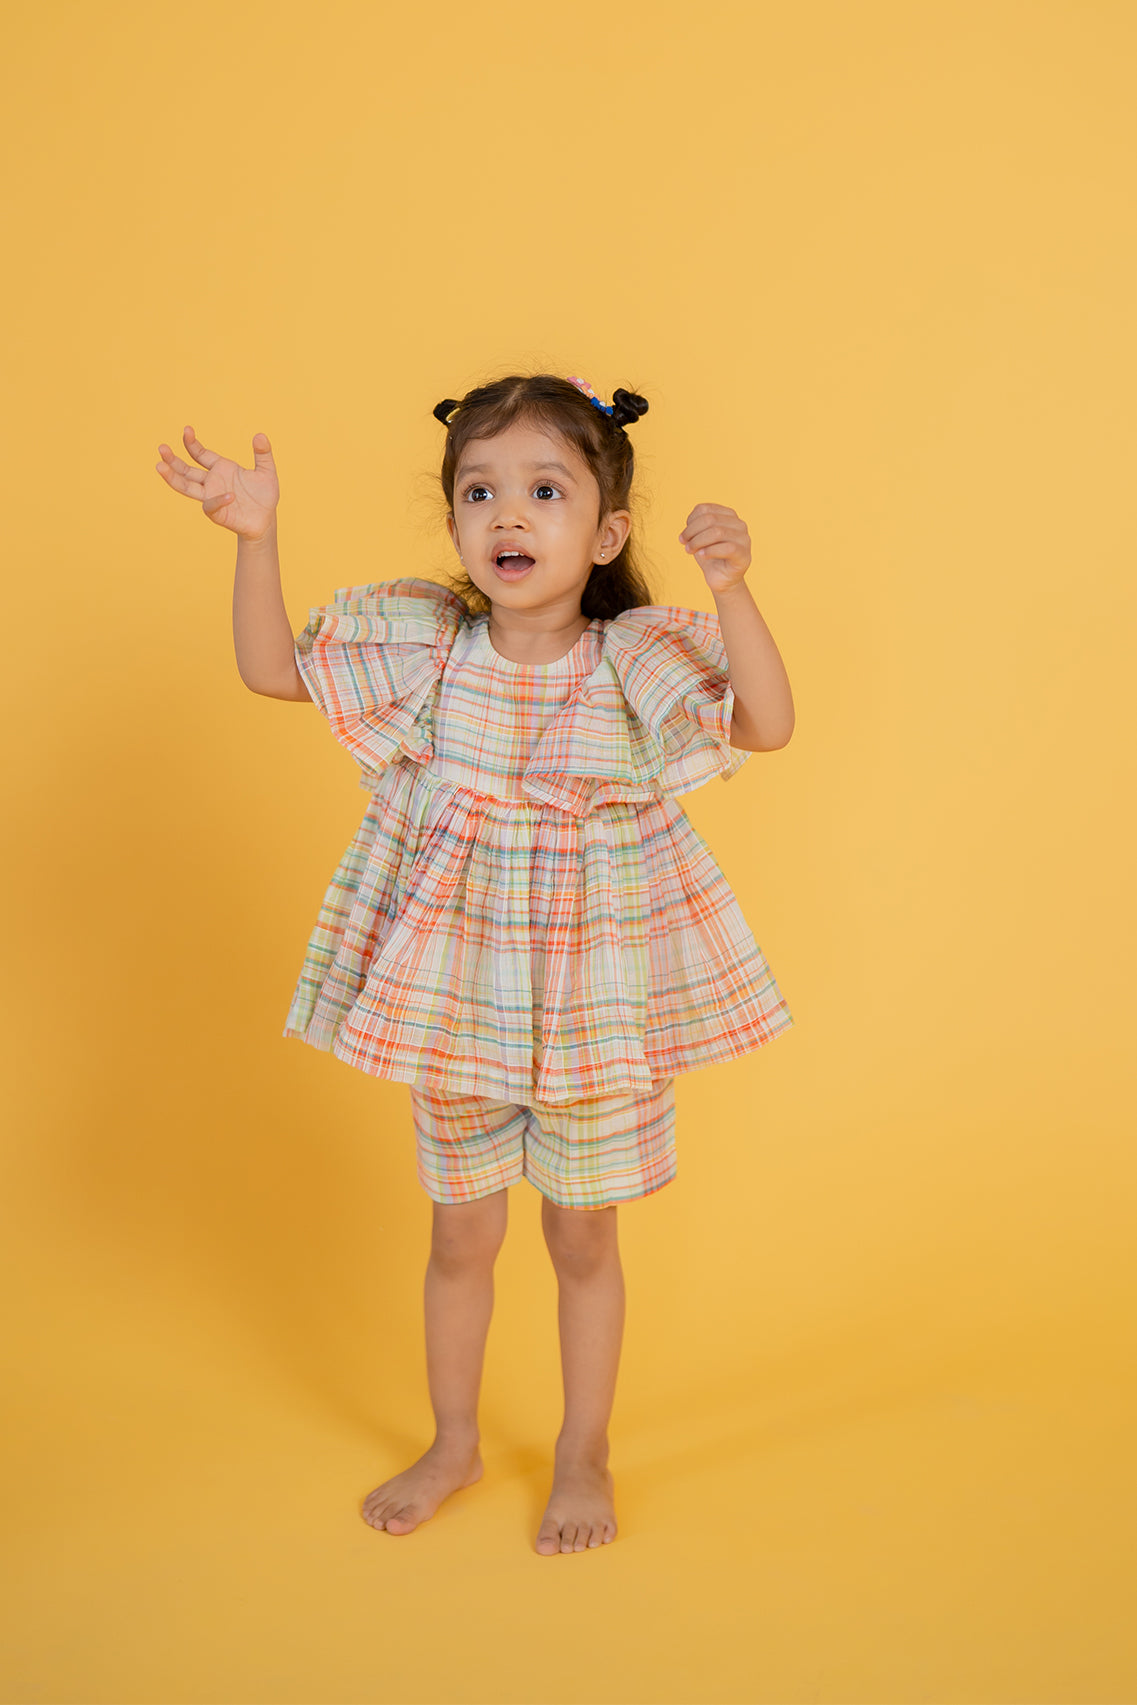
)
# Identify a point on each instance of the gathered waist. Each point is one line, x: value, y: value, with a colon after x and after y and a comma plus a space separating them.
x: 435, y: 778
x: 438, y: 773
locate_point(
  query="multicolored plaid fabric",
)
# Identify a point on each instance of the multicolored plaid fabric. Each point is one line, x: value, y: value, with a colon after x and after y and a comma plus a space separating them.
x: 589, y: 1155
x: 525, y: 913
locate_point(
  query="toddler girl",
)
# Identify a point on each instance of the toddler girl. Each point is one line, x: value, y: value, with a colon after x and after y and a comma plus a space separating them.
x: 526, y: 928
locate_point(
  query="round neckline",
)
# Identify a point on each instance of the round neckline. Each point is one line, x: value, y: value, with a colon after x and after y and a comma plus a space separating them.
x: 554, y: 663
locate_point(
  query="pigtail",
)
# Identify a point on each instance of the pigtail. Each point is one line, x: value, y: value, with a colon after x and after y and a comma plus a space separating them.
x: 627, y: 406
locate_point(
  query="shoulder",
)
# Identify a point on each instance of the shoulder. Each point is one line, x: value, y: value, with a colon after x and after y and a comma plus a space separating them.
x: 659, y: 632
x: 407, y: 609
x: 663, y: 653
x: 644, y: 620
x: 370, y: 659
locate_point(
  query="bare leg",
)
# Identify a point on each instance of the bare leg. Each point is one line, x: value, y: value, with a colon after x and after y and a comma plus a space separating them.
x: 585, y: 1251
x: 458, y: 1301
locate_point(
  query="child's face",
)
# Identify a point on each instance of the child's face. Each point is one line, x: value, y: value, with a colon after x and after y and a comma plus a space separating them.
x: 508, y: 493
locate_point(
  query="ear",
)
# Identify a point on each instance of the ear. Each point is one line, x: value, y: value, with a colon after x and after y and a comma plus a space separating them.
x: 452, y: 529
x: 614, y: 532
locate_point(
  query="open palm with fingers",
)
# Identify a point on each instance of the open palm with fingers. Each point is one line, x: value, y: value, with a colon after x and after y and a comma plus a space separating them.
x: 242, y: 499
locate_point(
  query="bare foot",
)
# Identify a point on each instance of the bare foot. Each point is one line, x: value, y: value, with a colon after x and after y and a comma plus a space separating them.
x: 411, y: 1497
x: 580, y: 1512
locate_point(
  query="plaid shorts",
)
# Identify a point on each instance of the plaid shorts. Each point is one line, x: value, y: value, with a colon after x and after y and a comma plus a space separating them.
x: 585, y: 1154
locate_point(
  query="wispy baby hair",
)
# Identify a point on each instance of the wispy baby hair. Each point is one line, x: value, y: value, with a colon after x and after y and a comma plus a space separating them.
x: 563, y: 407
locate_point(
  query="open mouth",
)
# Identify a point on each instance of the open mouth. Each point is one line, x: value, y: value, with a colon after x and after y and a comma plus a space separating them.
x: 512, y: 564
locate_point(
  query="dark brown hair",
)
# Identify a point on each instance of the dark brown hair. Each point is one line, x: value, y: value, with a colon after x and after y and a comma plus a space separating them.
x: 559, y: 407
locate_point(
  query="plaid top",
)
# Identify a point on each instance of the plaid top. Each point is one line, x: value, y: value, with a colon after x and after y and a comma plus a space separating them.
x: 525, y: 912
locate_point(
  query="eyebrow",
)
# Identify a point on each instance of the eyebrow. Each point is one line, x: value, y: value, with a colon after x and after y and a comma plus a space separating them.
x: 534, y: 467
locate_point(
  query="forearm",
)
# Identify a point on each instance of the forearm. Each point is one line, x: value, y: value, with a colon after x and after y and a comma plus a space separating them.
x: 763, y: 704
x: 262, y: 632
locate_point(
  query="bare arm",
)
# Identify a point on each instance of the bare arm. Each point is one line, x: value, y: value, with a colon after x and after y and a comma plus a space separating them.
x: 262, y: 633
x: 763, y: 717
x: 244, y: 501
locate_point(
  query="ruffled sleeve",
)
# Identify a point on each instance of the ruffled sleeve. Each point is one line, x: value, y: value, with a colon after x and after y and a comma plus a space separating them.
x: 653, y: 719
x: 371, y: 660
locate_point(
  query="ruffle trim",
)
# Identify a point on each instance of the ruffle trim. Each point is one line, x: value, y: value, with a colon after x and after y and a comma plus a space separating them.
x: 372, y: 659
x: 652, y: 719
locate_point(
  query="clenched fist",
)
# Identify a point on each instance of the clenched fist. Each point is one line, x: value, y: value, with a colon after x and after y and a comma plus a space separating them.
x: 718, y: 539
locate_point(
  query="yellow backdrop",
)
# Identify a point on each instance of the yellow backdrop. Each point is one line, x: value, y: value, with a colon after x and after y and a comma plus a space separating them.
x: 874, y: 267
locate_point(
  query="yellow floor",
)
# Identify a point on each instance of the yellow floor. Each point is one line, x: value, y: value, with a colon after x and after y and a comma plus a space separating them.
x: 896, y: 1506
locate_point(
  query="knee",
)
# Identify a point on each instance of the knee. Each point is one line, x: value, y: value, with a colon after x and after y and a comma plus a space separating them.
x: 468, y: 1235
x: 580, y: 1240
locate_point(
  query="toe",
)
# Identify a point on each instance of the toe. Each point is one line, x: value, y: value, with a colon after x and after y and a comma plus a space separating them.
x: 404, y: 1520
x: 595, y: 1536
x: 568, y: 1535
x: 548, y: 1539
x: 581, y: 1541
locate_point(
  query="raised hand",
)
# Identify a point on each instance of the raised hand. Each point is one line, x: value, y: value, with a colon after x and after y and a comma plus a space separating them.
x: 720, y: 542
x: 242, y: 499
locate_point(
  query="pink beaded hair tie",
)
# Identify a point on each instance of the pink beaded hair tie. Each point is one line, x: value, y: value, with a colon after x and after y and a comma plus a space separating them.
x: 583, y: 385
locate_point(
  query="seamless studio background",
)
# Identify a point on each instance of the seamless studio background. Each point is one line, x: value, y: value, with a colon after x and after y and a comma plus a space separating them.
x: 874, y: 268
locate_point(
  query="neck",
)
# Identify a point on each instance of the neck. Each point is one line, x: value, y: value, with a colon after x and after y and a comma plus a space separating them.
x: 534, y: 636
